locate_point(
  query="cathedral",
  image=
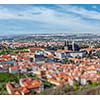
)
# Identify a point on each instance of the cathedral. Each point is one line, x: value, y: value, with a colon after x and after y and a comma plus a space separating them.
x: 71, y: 46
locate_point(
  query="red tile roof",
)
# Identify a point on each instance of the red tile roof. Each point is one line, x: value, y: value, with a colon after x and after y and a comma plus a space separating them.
x: 61, y: 51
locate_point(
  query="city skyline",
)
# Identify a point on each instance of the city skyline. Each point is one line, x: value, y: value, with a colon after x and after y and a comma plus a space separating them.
x: 48, y: 18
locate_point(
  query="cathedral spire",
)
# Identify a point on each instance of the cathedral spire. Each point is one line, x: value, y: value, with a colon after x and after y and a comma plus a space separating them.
x: 73, y: 45
x: 66, y: 45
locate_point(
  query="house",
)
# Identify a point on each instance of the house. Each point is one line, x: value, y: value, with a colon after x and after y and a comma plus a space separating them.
x: 38, y: 50
x: 53, y: 81
x: 39, y: 59
x: 31, y: 57
x: 34, y: 67
x: 31, y: 84
x: 48, y: 54
x: 12, y: 90
x: 5, y: 67
x: 88, y: 50
x: 23, y: 90
x: 23, y: 69
x: 76, y: 54
x: 71, y: 80
x: 83, y: 80
x: 9, y: 88
x: 14, y: 69
x: 48, y: 75
x: 61, y: 54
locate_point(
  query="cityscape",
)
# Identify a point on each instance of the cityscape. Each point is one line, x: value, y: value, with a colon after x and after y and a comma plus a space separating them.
x: 50, y: 49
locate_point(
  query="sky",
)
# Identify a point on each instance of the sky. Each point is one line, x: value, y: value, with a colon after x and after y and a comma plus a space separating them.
x: 49, y: 18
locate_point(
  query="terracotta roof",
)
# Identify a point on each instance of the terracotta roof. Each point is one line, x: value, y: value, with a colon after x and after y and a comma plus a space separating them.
x: 17, y: 92
x: 29, y: 83
x: 88, y: 49
x: 49, y: 55
x: 61, y: 51
x: 14, y: 68
x: 83, y: 77
x: 23, y: 90
x: 53, y: 81
x: 97, y: 48
x: 9, y: 86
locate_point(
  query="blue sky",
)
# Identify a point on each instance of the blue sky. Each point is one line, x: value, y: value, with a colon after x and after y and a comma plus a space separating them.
x: 20, y: 19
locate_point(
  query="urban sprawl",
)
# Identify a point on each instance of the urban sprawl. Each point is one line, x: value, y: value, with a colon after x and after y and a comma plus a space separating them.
x: 35, y: 66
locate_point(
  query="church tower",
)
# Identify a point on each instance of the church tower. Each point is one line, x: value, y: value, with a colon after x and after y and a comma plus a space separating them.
x: 66, y: 45
x: 73, y: 45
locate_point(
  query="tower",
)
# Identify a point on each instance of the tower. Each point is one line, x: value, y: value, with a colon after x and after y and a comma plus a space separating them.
x: 91, y: 46
x: 73, y: 45
x: 66, y: 45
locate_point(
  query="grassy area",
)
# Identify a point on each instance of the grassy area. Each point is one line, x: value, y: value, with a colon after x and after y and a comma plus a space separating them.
x: 11, y: 51
x: 76, y: 89
x: 64, y: 89
x: 6, y: 77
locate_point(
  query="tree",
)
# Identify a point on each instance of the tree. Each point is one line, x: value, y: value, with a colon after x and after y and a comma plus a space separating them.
x: 66, y: 60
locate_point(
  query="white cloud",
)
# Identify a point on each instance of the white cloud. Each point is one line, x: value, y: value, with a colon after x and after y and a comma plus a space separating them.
x: 54, y: 20
x: 82, y: 11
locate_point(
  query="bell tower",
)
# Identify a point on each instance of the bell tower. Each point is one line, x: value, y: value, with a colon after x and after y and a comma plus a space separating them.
x: 73, y: 45
x: 66, y: 45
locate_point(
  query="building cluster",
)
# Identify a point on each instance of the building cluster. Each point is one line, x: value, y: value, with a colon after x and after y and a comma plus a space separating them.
x: 25, y: 86
x: 32, y: 44
x: 83, y: 71
x: 49, y: 65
